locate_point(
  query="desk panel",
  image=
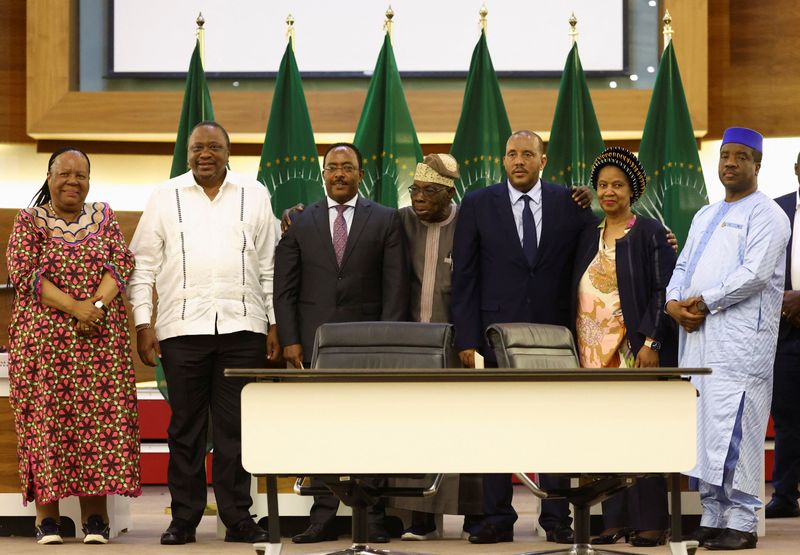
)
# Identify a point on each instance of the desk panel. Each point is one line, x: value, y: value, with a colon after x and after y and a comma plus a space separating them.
x: 476, y: 427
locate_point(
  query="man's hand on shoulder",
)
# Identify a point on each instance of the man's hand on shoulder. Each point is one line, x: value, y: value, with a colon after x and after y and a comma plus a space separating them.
x: 582, y: 195
x: 286, y: 217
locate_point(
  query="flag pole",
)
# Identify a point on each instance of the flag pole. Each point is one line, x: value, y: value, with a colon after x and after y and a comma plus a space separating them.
x: 290, y: 29
x: 201, y: 36
x: 484, y: 11
x: 667, y: 31
x: 387, y: 25
x: 573, y: 28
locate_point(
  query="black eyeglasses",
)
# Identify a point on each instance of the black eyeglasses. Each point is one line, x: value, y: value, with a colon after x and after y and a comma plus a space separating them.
x: 427, y: 191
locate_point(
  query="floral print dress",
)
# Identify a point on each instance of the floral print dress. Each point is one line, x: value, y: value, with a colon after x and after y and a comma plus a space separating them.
x: 73, y: 397
x: 600, y: 327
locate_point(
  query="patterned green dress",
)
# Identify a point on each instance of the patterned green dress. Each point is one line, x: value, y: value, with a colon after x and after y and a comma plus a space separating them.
x: 73, y: 397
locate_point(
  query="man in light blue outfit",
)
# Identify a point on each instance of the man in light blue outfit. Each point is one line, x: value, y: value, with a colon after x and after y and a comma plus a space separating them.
x: 726, y: 294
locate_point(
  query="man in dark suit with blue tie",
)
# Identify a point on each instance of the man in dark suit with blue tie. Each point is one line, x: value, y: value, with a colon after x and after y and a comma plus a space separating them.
x: 513, y: 255
x: 342, y: 260
x: 786, y: 385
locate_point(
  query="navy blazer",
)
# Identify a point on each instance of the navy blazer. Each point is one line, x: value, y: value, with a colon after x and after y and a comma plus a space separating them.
x: 644, y: 262
x: 492, y: 282
x: 311, y: 289
x: 789, y: 205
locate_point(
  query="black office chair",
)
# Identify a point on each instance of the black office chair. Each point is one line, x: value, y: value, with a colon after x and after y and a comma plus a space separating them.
x: 545, y: 346
x: 377, y: 345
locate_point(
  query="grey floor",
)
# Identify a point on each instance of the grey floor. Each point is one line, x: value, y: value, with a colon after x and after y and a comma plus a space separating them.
x: 149, y: 519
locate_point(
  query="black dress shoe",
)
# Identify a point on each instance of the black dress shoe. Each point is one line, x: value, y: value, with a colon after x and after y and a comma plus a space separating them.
x: 778, y: 508
x: 316, y: 533
x: 179, y: 532
x: 377, y: 534
x: 653, y: 538
x: 702, y: 534
x: 246, y: 531
x: 612, y: 537
x: 730, y: 540
x: 487, y: 532
x: 562, y: 534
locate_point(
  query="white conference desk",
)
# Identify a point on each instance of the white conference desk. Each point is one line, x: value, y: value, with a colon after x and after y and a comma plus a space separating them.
x: 487, y: 421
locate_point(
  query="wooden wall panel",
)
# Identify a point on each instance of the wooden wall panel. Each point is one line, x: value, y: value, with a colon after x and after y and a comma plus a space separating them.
x: 754, y: 67
x: 12, y: 72
x: 9, y: 476
x: 127, y: 222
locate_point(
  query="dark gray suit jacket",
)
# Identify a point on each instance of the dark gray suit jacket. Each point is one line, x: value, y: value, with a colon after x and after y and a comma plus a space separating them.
x: 310, y: 289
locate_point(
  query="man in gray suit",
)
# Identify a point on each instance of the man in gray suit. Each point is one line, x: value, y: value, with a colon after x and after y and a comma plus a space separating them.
x: 342, y: 260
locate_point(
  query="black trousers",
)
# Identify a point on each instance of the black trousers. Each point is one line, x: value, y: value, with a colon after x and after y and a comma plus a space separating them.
x: 642, y: 506
x: 786, y: 416
x: 498, y: 511
x: 194, y: 366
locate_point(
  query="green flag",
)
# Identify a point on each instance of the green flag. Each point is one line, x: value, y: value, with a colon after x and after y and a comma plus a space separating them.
x: 386, y: 136
x: 575, y: 139
x: 289, y: 164
x: 675, y: 185
x: 483, y: 128
x: 196, y: 108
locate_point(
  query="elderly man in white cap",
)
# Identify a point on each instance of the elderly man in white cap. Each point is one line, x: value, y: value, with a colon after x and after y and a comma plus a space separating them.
x: 726, y: 294
x: 429, y: 225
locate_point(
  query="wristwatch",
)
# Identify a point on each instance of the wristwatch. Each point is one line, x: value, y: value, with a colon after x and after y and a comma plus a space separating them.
x: 652, y: 344
x: 701, y: 306
x: 99, y: 304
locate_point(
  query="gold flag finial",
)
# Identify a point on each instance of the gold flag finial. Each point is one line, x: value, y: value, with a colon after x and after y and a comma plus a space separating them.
x: 201, y: 35
x: 573, y: 28
x: 667, y: 28
x: 484, y: 11
x: 387, y: 25
x: 290, y: 29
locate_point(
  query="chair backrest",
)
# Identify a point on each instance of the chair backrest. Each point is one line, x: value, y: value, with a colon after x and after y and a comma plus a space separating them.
x: 532, y: 346
x: 384, y: 345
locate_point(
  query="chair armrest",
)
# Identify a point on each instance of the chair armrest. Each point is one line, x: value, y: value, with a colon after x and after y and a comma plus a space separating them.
x: 531, y: 485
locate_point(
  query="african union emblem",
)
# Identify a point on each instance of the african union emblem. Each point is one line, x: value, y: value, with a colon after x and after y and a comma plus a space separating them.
x: 291, y: 180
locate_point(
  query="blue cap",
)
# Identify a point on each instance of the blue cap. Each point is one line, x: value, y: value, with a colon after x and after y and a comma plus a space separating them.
x: 743, y: 136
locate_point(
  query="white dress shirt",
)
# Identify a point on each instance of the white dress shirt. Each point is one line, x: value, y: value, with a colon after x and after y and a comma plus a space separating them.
x: 348, y: 213
x: 518, y: 205
x: 210, y: 260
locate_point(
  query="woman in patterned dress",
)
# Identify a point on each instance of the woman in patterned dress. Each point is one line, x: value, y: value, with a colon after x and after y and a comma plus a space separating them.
x: 73, y: 389
x: 622, y: 269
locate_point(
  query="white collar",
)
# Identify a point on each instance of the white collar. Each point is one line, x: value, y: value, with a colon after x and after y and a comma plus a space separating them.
x: 351, y: 202
x: 535, y: 192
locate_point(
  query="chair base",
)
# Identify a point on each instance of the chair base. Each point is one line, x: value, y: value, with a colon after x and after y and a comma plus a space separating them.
x: 685, y: 547
x: 579, y: 549
x: 364, y: 549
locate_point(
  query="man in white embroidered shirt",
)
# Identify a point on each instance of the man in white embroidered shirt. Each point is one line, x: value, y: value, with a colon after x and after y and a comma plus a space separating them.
x: 207, y: 241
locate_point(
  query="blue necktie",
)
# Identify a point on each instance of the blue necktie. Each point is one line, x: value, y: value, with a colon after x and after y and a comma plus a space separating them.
x: 529, y: 246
